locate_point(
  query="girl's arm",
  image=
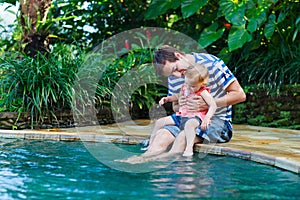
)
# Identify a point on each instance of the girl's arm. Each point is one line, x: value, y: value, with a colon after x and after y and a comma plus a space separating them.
x: 235, y: 94
x: 211, y: 109
x: 173, y: 98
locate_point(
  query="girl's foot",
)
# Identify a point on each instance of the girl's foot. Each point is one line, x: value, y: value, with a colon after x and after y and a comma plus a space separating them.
x: 187, y: 154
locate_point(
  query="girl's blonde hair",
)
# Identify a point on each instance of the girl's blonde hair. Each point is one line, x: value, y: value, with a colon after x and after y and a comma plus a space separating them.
x: 197, y: 71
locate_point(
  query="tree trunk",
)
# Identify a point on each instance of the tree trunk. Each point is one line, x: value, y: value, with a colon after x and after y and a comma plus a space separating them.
x: 32, y: 13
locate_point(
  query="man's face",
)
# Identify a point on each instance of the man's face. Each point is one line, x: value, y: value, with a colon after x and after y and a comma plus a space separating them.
x: 175, y: 69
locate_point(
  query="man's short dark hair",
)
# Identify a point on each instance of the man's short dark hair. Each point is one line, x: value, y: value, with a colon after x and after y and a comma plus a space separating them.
x: 163, y: 54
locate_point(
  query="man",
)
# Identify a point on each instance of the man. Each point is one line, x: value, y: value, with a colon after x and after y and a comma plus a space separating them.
x: 224, y: 87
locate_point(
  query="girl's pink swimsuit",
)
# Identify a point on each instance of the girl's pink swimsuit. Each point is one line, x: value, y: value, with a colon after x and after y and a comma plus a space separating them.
x: 183, y: 111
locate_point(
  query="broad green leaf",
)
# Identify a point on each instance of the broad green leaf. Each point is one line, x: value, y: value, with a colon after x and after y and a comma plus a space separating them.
x: 210, y: 35
x: 238, y: 36
x: 273, y: 1
x: 281, y: 17
x: 226, y: 6
x: 270, y: 26
x: 252, y: 25
x: 234, y: 13
x: 250, y: 4
x: 237, y: 18
x: 159, y: 7
x: 189, y: 7
x: 259, y: 14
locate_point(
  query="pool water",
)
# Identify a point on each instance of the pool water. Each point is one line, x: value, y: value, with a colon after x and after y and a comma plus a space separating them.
x: 31, y: 169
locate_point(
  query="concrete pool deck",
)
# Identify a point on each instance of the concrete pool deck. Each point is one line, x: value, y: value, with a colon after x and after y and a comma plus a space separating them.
x: 275, y: 147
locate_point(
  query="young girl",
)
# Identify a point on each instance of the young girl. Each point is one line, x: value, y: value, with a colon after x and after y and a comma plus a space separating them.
x: 196, y: 78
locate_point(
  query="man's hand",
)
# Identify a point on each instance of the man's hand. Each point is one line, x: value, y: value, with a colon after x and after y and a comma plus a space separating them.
x: 196, y: 104
x: 182, y: 100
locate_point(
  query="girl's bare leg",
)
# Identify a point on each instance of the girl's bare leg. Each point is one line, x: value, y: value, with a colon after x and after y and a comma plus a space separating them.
x: 189, y: 130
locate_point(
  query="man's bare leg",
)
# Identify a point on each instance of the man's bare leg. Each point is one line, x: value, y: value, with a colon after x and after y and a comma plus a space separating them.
x: 158, y: 125
x: 160, y: 144
x: 178, y: 147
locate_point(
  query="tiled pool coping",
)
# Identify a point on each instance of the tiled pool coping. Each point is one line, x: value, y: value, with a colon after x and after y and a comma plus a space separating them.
x: 276, y: 147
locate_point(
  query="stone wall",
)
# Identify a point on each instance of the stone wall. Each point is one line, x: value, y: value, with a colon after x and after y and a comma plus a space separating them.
x: 278, y: 108
x: 13, y: 120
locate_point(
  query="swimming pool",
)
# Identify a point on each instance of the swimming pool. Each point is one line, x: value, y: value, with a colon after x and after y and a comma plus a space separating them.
x: 32, y: 169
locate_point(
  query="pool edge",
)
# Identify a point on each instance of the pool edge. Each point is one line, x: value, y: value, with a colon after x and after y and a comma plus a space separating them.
x: 279, y: 162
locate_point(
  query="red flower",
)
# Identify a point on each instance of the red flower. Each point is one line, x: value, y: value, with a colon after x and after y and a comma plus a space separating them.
x: 148, y: 34
x: 227, y: 25
x: 127, y: 46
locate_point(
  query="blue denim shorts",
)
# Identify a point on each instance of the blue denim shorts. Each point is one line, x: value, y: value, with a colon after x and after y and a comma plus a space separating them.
x: 174, y: 129
x: 185, y: 119
x: 219, y: 130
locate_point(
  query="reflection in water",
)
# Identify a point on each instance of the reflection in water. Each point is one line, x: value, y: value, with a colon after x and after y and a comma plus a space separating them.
x: 61, y: 170
x: 184, y: 179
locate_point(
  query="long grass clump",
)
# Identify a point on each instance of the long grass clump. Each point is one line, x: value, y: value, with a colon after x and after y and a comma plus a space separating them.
x: 41, y: 86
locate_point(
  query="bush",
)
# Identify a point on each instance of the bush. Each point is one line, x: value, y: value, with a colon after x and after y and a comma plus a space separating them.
x: 44, y: 86
x: 41, y: 86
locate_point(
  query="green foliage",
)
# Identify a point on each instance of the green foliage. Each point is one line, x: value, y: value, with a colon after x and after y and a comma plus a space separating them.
x: 239, y: 21
x: 274, y: 67
x: 44, y: 86
x: 103, y: 18
x: 130, y: 76
x: 40, y: 86
x: 258, y: 39
x: 9, y: 1
x: 161, y: 7
x: 210, y: 34
x: 188, y: 7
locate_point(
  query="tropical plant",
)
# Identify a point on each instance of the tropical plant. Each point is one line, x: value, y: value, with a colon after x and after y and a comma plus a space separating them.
x: 41, y: 86
x: 236, y: 23
x: 258, y: 39
x: 131, y: 81
x: 91, y: 22
x: 32, y: 13
x: 272, y: 67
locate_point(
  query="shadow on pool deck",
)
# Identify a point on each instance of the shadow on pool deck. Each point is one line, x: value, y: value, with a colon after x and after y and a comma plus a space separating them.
x: 276, y: 147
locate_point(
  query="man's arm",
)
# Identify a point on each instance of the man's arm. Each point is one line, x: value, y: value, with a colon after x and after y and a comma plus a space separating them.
x: 176, y: 104
x: 235, y: 94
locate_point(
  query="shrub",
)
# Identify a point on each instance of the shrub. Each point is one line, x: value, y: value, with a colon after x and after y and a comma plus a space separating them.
x: 41, y: 86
